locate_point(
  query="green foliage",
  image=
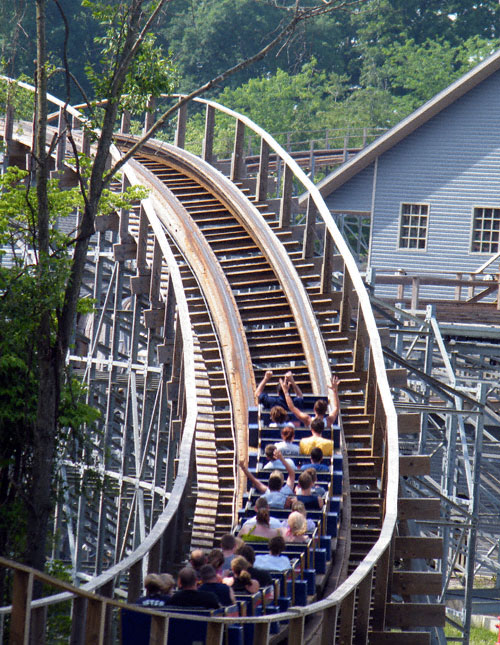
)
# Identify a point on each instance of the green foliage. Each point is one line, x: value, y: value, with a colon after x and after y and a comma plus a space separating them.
x: 478, y: 635
x: 150, y: 72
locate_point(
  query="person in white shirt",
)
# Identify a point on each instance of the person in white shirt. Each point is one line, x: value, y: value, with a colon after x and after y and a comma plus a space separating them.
x: 287, y: 447
x: 261, y: 503
x: 275, y: 464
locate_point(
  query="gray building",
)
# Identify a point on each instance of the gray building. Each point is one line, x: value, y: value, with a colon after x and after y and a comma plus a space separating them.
x: 431, y: 184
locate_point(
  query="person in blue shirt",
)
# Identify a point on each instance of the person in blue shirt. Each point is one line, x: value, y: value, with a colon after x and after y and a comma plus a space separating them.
x: 274, y: 560
x: 316, y: 462
x: 269, y: 401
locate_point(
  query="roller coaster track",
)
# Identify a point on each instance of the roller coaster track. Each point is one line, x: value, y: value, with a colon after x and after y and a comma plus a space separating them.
x: 200, y: 288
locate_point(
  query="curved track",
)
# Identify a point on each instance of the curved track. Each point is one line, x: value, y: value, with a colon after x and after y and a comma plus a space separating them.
x: 200, y: 288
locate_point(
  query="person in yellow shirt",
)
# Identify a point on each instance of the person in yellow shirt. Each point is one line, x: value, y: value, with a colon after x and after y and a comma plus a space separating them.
x: 316, y: 440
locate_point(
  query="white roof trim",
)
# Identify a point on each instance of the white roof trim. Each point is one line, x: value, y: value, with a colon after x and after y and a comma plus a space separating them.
x: 408, y: 125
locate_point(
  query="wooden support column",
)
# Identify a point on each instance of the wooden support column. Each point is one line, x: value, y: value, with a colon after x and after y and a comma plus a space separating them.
x: 125, y: 122
x: 296, y: 631
x: 208, y: 139
x: 180, y: 131
x: 347, y: 300
x: 415, y: 289
x: 96, y: 618
x: 347, y: 619
x: 238, y: 157
x: 159, y: 628
x: 381, y: 590
x: 360, y: 343
x: 327, y: 266
x: 286, y: 199
x: 61, y: 142
x: 329, y: 625
x: 154, y: 558
x: 78, y: 620
x: 262, y: 177
x: 134, y: 588
x: 38, y: 626
x: 309, y: 233
x: 22, y: 593
x: 261, y: 634
x: 363, y: 610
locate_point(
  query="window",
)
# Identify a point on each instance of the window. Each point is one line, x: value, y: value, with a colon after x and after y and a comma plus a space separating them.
x: 485, y: 230
x: 413, y: 226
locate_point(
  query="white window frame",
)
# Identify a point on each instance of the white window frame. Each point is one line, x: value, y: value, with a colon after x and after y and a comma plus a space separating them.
x: 420, y: 205
x: 491, y: 231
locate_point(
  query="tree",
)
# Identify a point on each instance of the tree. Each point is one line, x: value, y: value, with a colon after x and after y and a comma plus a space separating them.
x: 126, y: 44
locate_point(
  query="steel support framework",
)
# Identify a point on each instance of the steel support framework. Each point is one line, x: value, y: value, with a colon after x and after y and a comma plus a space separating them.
x: 453, y: 383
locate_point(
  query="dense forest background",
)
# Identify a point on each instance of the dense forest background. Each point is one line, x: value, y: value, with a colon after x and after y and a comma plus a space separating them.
x: 364, y: 68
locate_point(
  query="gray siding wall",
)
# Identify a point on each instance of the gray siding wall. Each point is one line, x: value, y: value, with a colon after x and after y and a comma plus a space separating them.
x: 452, y: 163
x: 355, y: 194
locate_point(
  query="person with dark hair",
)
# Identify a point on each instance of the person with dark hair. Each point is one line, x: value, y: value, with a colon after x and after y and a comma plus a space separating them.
x: 286, y: 446
x: 311, y: 501
x: 261, y: 531
x: 158, y: 590
x: 228, y: 545
x: 316, y: 455
x: 216, y: 559
x: 316, y: 440
x: 189, y: 595
x: 316, y: 488
x: 276, y: 492
x: 261, y: 502
x: 274, y: 561
x: 269, y: 401
x: 209, y: 582
x: 279, y: 417
x: 272, y: 463
x: 241, y: 581
x: 262, y: 577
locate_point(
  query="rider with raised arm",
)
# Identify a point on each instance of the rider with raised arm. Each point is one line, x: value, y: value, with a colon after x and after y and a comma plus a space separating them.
x: 270, y: 400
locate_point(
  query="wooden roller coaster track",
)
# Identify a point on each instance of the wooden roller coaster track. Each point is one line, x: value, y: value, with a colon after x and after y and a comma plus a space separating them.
x: 216, y: 279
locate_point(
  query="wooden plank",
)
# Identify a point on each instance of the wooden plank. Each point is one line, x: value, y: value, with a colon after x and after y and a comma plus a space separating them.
x: 107, y: 223
x: 238, y: 157
x: 286, y: 199
x: 416, y: 582
x: 409, y: 423
x: 208, y: 139
x: 418, y: 547
x: 153, y: 318
x: 346, y: 618
x: 412, y: 465
x: 180, y: 130
x: 399, y: 638
x: 139, y: 284
x: 96, y: 614
x: 415, y: 614
x: 397, y: 377
x: 125, y: 251
x: 263, y: 171
x: 422, y: 508
x: 309, y: 232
